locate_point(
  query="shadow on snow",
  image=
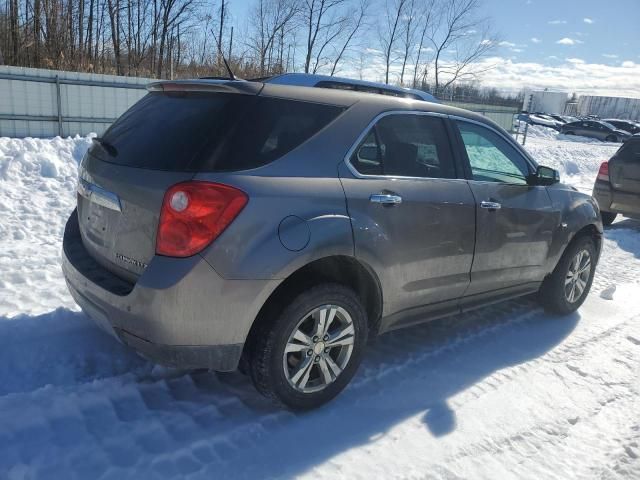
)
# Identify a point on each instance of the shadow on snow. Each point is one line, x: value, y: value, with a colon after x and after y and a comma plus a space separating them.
x: 405, y: 373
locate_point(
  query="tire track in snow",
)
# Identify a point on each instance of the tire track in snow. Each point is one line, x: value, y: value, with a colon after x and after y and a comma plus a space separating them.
x: 172, y: 419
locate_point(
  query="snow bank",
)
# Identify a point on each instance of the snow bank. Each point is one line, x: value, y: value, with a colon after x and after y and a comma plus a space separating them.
x: 37, y: 186
x: 577, y: 162
x: 538, y: 131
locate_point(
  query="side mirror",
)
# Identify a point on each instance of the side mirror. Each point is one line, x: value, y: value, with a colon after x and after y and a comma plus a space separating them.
x: 544, y: 176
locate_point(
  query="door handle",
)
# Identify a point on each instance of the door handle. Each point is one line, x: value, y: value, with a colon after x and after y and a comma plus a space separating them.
x: 490, y: 205
x: 385, y: 198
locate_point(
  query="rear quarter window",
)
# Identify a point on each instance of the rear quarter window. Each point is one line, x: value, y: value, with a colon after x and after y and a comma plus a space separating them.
x: 630, y: 150
x: 196, y: 131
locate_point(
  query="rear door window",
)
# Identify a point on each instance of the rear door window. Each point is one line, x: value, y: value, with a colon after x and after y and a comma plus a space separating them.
x: 196, y: 131
x: 406, y: 145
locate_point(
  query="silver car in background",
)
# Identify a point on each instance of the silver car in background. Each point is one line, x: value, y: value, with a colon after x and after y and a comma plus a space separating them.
x: 277, y: 228
x: 617, y: 186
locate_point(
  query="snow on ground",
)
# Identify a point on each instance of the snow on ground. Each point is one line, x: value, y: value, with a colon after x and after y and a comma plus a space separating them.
x: 577, y: 158
x: 502, y: 392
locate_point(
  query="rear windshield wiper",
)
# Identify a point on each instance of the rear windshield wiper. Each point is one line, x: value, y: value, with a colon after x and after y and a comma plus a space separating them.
x: 106, y: 146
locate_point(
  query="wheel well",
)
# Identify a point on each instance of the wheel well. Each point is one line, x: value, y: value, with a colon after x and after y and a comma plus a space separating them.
x: 340, y: 269
x: 589, y: 230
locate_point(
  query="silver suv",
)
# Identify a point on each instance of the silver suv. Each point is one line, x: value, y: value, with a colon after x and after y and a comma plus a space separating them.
x: 277, y: 228
x: 617, y: 186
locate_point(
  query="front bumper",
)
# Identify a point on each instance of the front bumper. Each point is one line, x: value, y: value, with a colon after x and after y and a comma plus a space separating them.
x: 180, y: 312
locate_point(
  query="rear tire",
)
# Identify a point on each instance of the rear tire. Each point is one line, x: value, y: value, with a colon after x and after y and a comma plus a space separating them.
x: 308, y: 354
x: 608, y: 217
x: 567, y: 287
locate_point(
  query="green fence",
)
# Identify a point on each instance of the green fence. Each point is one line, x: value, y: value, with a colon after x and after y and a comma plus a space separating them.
x: 502, y: 115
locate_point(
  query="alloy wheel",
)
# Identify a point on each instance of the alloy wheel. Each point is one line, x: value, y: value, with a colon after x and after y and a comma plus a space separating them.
x: 577, y: 276
x: 319, y: 348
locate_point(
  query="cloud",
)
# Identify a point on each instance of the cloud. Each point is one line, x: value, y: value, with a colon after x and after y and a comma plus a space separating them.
x: 557, y: 22
x: 514, y: 47
x: 568, y: 41
x: 535, y: 40
x: 511, y: 75
x: 569, y: 76
x: 610, y: 55
x: 587, y: 20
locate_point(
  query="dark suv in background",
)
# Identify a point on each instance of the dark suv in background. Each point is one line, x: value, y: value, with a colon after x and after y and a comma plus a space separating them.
x: 595, y: 129
x: 626, y: 125
x: 227, y: 223
x: 617, y: 187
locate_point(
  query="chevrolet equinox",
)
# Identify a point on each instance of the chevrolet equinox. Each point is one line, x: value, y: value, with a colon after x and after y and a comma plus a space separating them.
x: 276, y: 228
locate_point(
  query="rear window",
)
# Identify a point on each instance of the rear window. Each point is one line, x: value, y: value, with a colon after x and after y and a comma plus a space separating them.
x: 195, y: 131
x: 630, y: 150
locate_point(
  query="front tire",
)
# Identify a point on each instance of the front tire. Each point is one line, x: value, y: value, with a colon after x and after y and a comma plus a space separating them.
x: 608, y: 217
x: 611, y: 138
x: 567, y: 287
x: 308, y: 354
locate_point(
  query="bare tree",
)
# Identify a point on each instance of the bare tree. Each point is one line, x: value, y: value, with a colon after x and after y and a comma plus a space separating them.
x: 425, y: 19
x: 114, y: 20
x: 268, y: 19
x: 323, y: 21
x: 390, y: 31
x: 167, y: 38
x: 357, y: 22
x: 408, y: 34
x: 462, y: 33
x: 171, y: 11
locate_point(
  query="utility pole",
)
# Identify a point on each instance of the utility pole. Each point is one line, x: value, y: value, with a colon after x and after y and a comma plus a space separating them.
x: 526, y: 125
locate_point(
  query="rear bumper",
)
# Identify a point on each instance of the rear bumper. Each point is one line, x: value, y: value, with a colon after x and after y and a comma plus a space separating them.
x: 611, y: 200
x: 180, y: 312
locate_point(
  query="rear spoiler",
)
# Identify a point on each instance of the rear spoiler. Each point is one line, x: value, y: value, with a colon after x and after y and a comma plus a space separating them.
x: 222, y: 86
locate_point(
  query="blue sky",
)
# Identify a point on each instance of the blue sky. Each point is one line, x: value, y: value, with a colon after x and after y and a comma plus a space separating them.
x: 595, y: 31
x: 583, y: 46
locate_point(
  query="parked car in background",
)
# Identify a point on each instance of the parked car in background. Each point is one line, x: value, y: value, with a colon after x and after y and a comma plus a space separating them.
x: 595, y: 129
x: 626, y: 125
x: 549, y: 118
x: 278, y: 227
x: 617, y: 186
x: 536, y: 119
x: 563, y: 118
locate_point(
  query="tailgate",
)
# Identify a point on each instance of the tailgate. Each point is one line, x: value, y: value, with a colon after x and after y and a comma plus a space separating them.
x: 118, y: 212
x: 624, y: 167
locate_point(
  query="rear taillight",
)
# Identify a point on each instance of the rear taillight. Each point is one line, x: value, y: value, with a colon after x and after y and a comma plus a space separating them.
x: 603, y: 173
x: 194, y: 214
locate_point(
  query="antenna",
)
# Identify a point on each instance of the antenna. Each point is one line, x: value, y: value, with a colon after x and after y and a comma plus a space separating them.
x: 221, y: 53
x: 226, y: 64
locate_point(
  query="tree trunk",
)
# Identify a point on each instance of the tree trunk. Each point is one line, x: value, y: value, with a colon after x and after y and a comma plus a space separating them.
x: 114, y: 17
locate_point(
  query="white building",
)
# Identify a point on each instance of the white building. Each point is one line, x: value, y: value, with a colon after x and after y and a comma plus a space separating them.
x: 545, y: 101
x: 609, y: 107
